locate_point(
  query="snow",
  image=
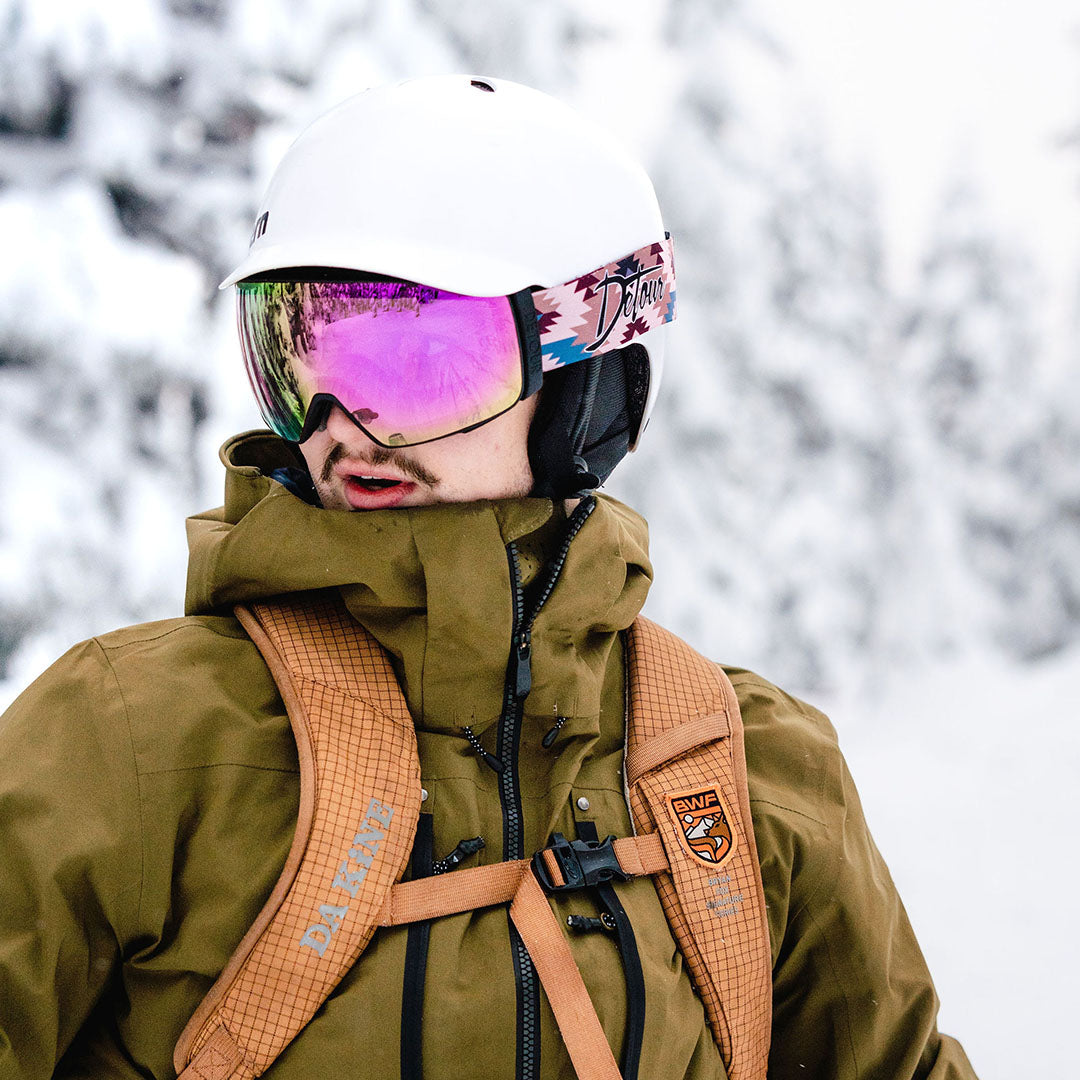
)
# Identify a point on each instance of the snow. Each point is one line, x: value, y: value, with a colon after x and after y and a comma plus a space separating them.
x: 967, y: 772
x: 76, y: 35
x: 79, y: 279
x: 923, y: 88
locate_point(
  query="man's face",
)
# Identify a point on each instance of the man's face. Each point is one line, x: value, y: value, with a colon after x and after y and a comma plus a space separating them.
x: 353, y: 473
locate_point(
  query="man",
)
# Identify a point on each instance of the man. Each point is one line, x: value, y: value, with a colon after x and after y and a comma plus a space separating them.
x: 452, y: 313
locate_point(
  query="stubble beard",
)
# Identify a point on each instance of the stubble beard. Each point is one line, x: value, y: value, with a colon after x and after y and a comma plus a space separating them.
x: 331, y: 487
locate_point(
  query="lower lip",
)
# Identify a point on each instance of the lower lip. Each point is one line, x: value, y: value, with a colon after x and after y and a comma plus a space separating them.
x: 362, y: 498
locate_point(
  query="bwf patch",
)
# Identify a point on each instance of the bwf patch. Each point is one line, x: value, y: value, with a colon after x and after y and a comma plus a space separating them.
x: 703, y: 824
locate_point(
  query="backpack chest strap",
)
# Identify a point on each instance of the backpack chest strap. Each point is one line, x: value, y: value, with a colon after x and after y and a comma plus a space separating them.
x: 498, y: 883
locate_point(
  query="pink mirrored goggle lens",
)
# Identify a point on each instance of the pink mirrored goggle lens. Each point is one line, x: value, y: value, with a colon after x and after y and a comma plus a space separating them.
x: 408, y: 363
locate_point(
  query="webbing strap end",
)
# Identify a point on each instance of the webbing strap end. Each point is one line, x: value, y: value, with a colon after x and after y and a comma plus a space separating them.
x: 574, y: 1012
x: 219, y: 1058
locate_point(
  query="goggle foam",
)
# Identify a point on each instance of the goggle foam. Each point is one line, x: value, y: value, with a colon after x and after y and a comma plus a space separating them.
x: 410, y: 363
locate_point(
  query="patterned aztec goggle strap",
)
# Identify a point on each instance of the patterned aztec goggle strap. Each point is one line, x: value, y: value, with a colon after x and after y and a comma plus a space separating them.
x: 607, y: 308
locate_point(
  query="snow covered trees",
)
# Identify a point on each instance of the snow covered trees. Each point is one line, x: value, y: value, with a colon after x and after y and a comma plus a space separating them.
x: 843, y: 473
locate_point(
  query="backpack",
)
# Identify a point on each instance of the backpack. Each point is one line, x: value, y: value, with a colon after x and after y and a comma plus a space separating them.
x: 685, y: 774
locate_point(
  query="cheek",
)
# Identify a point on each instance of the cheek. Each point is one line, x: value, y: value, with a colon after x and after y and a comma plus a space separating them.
x: 315, y: 451
x: 505, y: 463
x: 489, y: 463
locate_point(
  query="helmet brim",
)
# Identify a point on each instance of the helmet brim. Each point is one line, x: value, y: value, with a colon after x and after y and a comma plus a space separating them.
x: 448, y: 270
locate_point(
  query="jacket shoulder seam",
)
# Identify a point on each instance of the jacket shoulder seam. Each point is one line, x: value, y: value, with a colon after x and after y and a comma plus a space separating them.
x: 219, y: 765
x: 138, y: 780
x: 789, y: 810
x: 805, y: 910
x: 145, y: 639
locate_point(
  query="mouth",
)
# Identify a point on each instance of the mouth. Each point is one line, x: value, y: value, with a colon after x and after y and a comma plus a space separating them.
x: 365, y: 492
x: 374, y: 483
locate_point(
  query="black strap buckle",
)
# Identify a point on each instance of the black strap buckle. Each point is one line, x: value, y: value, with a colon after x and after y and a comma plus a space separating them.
x: 582, y: 863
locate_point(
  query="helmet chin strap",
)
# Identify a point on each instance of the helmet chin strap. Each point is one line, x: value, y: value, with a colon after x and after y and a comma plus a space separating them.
x: 588, y: 399
x: 583, y: 480
x: 582, y: 426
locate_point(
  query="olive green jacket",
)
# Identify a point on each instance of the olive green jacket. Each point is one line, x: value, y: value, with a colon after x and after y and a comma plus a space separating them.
x: 149, y: 789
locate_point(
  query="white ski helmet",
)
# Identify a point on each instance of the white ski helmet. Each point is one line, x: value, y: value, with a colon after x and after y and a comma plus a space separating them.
x: 483, y: 187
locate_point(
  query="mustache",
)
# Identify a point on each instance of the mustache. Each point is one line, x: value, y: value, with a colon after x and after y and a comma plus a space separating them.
x: 376, y: 456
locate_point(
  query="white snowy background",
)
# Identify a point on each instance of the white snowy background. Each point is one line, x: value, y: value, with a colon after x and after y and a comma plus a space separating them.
x: 863, y: 476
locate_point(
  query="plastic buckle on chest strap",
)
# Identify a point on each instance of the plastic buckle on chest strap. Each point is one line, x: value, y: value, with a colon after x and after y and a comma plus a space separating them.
x: 582, y: 864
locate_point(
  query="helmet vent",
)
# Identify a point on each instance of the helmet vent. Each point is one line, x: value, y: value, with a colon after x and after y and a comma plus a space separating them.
x: 481, y: 85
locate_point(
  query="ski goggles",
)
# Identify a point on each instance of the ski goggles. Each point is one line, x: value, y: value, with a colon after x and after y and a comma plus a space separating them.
x: 409, y: 363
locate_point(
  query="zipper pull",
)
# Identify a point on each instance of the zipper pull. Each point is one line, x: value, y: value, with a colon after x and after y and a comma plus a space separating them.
x: 583, y: 923
x: 523, y: 665
x: 458, y: 855
x: 489, y: 759
x: 553, y: 734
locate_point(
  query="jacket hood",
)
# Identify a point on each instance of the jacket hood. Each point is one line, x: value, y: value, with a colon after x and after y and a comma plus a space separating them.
x: 431, y: 583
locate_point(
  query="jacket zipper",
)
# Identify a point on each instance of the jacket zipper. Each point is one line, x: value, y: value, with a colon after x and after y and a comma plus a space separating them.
x: 515, y: 690
x: 518, y: 678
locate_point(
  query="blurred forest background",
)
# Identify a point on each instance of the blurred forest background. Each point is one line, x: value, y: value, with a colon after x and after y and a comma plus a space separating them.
x: 858, y: 482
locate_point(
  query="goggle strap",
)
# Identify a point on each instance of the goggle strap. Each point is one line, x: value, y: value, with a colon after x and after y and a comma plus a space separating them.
x: 607, y: 308
x: 528, y: 328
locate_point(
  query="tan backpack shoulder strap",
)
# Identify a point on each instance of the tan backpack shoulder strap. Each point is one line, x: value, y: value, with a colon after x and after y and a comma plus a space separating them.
x: 686, y: 778
x: 359, y: 807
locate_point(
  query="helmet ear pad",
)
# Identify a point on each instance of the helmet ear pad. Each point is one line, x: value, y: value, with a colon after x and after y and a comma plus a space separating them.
x: 566, y: 460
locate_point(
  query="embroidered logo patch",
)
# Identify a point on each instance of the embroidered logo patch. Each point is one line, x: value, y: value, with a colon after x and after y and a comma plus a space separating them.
x: 703, y: 824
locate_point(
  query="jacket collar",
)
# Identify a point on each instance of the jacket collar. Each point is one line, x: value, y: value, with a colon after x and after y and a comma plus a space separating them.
x: 431, y: 583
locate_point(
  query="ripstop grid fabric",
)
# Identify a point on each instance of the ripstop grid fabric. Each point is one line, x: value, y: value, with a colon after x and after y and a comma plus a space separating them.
x: 364, y: 778
x: 717, y: 913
